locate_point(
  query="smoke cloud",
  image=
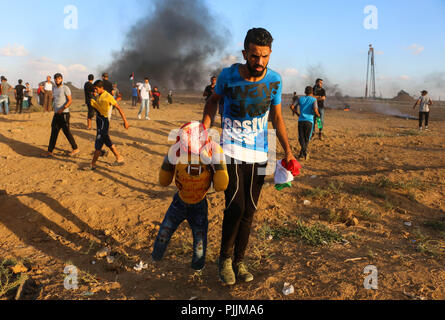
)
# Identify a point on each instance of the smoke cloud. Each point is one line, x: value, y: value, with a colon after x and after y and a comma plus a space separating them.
x: 176, y: 45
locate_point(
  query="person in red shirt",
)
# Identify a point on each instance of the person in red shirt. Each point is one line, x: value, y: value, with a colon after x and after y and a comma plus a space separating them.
x: 156, y: 97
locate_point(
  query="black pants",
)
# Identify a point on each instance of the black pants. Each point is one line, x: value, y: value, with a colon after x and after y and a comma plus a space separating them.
x: 305, y: 129
x: 422, y: 115
x: 91, y: 110
x: 61, y: 121
x: 242, y: 196
x: 19, y: 106
x: 155, y: 104
x: 29, y: 102
x: 134, y: 101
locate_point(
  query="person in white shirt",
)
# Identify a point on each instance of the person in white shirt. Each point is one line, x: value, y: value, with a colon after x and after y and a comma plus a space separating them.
x: 144, y: 92
x: 424, y: 112
x: 48, y: 94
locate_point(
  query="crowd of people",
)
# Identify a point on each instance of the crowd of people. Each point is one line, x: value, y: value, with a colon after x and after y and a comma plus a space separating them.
x: 246, y: 96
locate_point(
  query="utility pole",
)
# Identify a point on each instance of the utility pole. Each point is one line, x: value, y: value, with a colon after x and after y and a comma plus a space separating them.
x: 370, y: 74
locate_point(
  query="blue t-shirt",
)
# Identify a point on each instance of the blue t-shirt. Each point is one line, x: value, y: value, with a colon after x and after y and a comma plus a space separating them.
x: 246, y: 111
x: 135, y: 92
x: 307, y: 108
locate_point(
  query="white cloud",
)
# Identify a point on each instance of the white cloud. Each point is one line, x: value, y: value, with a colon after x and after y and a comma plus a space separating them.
x: 42, y: 67
x: 290, y: 72
x: 14, y: 50
x: 229, y: 60
x: 415, y: 48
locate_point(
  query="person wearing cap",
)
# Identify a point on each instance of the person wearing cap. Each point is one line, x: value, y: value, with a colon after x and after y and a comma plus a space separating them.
x: 61, y: 120
x: 195, y: 162
x: 88, y: 89
x: 424, y: 102
x: 48, y: 86
x: 4, y: 98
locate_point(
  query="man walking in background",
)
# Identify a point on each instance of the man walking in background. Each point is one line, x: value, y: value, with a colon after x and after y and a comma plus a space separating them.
x: 28, y: 94
x: 250, y: 91
x: 320, y: 95
x: 47, y: 94
x: 308, y: 112
x: 4, y: 98
x: 208, y: 91
x: 144, y: 91
x: 134, y: 96
x: 19, y: 92
x: 88, y: 89
x: 424, y: 102
x: 61, y: 119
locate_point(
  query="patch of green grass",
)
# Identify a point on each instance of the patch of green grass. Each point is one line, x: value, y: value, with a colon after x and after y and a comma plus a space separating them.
x: 411, y: 132
x: 368, y: 214
x: 376, y: 134
x: 316, y: 235
x: 9, y: 280
x: 333, y: 188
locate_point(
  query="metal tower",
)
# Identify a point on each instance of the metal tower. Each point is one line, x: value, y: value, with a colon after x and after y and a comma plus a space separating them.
x: 370, y: 74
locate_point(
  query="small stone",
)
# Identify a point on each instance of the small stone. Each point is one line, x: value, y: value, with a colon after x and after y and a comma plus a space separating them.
x: 270, y: 237
x: 107, y: 232
x: 288, y: 289
x: 306, y: 202
x: 408, y: 223
x: 103, y: 252
x: 110, y: 259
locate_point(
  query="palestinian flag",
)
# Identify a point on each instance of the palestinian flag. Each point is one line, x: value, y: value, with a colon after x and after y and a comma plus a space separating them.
x: 132, y: 76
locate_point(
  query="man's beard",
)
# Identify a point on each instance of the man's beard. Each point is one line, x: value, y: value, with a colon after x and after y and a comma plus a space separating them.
x: 255, y: 73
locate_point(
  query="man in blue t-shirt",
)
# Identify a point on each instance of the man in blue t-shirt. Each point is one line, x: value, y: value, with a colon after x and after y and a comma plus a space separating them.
x: 250, y: 91
x: 308, y: 111
x: 134, y: 95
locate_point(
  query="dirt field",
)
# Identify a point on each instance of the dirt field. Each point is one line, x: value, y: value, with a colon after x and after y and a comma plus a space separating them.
x: 375, y: 168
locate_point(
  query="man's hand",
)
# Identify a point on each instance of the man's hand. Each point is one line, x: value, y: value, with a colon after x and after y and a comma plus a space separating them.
x: 289, y: 156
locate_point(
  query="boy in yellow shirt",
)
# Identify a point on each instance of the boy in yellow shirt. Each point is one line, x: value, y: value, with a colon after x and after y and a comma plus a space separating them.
x: 195, y: 163
x: 103, y: 103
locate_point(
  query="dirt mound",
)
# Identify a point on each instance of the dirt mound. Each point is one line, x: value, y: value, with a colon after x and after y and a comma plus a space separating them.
x: 403, y: 96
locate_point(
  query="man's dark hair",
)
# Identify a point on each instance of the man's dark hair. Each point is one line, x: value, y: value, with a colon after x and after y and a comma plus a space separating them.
x: 308, y: 90
x: 259, y: 37
x: 20, y: 81
x: 99, y: 84
x: 318, y: 80
x: 90, y: 77
x: 146, y: 78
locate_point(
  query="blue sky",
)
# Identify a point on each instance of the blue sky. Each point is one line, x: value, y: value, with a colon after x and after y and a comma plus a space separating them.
x: 329, y: 34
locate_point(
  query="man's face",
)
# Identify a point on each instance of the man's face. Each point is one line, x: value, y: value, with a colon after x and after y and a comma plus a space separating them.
x: 257, y: 58
x: 146, y: 81
x: 58, y: 81
x: 99, y: 90
x: 48, y: 79
x: 213, y: 81
x: 320, y: 84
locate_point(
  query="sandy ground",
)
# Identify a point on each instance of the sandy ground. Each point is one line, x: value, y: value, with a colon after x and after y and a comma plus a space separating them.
x: 373, y: 167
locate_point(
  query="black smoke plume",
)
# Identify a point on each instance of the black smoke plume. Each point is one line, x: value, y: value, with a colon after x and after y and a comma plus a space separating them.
x: 176, y: 45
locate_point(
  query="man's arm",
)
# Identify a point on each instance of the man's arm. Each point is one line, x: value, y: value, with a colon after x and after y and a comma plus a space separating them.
x: 316, y: 109
x: 210, y: 109
x: 279, y: 126
x: 415, y: 104
x: 121, y: 112
x: 67, y: 105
